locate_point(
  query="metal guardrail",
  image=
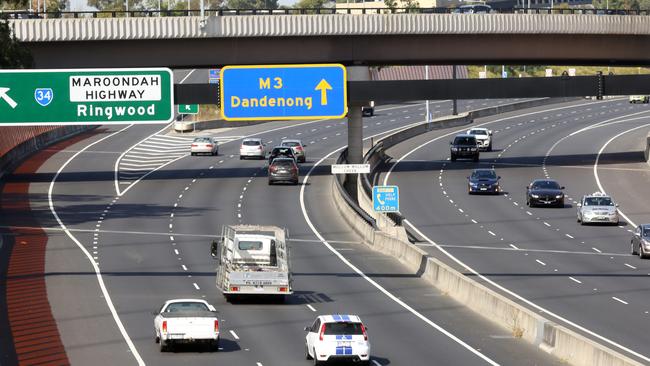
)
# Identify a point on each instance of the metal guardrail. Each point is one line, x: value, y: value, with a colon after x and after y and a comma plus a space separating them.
x: 24, y: 14
x: 346, y: 196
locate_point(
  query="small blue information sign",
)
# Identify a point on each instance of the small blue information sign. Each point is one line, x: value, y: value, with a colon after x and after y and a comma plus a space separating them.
x: 213, y: 76
x: 268, y: 92
x: 385, y: 198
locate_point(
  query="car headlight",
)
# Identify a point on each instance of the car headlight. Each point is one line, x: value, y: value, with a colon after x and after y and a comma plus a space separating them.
x: 454, y: 149
x: 472, y: 149
x: 534, y: 195
x: 473, y: 184
x: 559, y: 196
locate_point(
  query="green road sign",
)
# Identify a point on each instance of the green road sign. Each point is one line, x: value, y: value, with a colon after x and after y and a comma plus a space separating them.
x: 188, y: 109
x: 86, y: 96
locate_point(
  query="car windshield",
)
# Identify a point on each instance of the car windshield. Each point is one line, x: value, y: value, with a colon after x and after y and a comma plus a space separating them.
x: 202, y: 139
x: 598, y: 201
x: 290, y: 143
x: 343, y: 328
x: 478, y: 132
x: 282, y: 151
x: 249, y: 245
x: 464, y: 140
x: 484, y: 174
x: 283, y: 163
x: 545, y: 184
x: 251, y: 143
x: 184, y: 307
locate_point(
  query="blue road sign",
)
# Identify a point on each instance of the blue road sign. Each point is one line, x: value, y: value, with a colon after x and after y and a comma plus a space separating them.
x: 213, y: 76
x: 283, y: 92
x: 385, y: 198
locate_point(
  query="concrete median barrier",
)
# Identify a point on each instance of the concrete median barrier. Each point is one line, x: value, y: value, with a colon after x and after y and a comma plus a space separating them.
x: 391, y: 239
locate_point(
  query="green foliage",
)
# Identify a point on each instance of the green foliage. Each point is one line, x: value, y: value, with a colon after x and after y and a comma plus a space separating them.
x: 52, y: 5
x: 14, y: 55
x: 253, y: 4
x: 309, y: 4
x: 407, y: 4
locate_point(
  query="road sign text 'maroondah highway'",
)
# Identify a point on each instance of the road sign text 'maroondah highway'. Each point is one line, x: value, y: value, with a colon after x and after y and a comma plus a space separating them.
x: 86, y: 96
x: 272, y: 92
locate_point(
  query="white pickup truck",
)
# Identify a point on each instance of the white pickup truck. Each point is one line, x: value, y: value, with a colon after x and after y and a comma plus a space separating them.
x: 186, y: 321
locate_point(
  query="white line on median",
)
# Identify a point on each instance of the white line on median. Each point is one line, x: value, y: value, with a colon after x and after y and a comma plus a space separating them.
x: 631, y: 266
x: 311, y: 308
x: 234, y: 335
x: 196, y: 286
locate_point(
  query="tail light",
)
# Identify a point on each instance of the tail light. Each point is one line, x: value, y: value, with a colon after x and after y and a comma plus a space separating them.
x: 365, y: 335
x: 164, y: 326
x: 259, y: 147
x: 283, y: 289
x: 322, y: 332
x: 216, y: 326
x: 208, y: 145
x: 273, y: 168
x: 299, y: 148
x: 194, y: 145
x: 234, y: 288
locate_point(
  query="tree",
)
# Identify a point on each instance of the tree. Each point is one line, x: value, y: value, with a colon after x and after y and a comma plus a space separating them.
x: 14, y: 55
x: 52, y: 5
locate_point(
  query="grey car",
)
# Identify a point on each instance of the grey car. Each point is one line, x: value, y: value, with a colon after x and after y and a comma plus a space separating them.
x: 283, y: 170
x: 640, y: 243
x: 597, y: 208
x: 298, y: 149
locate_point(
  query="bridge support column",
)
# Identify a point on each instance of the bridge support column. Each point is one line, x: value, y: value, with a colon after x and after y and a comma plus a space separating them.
x: 355, y: 129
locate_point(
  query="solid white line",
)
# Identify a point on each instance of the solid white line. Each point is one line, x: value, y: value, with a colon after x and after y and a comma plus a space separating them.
x: 234, y: 335
x: 196, y: 286
x: 631, y: 266
x: 574, y: 280
x: 368, y: 279
x: 540, y: 262
x: 600, y: 186
x: 187, y: 76
x: 619, y: 300
x: 528, y: 302
x: 100, y: 280
x: 311, y: 308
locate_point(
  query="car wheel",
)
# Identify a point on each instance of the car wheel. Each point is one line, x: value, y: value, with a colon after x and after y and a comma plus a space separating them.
x: 316, y: 362
x: 164, y: 347
x: 453, y: 157
x: 632, y: 248
x: 489, y: 147
x: 641, y: 252
x: 476, y: 158
x: 192, y: 154
x: 214, y: 345
x: 270, y: 183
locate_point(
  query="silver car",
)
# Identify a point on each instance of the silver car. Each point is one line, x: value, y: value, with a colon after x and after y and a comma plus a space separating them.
x: 298, y: 149
x: 252, y: 148
x: 597, y: 208
x: 204, y: 145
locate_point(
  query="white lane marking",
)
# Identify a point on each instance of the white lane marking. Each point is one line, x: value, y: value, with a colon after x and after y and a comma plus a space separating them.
x: 600, y: 186
x: 259, y: 364
x: 631, y: 266
x: 461, y: 210
x: 98, y: 274
x: 513, y: 246
x: 547, y: 224
x: 311, y: 308
x: 569, y: 236
x: 491, y: 233
x: 234, y: 335
x: 515, y: 203
x: 619, y: 300
x: 596, y: 249
x: 368, y: 279
x: 474, y: 221
x: 187, y: 76
x: 184, y: 268
x: 376, y: 363
x: 540, y: 262
x: 390, y: 170
x: 196, y: 286
x: 529, y: 213
x: 176, y: 251
x: 528, y: 302
x: 574, y: 280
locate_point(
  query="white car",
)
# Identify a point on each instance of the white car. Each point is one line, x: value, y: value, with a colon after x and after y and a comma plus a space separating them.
x: 337, y: 338
x: 483, y: 138
x: 252, y: 148
x: 204, y: 145
x: 639, y: 99
x: 186, y: 321
x: 597, y: 208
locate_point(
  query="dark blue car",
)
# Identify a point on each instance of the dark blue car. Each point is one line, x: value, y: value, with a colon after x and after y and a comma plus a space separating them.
x: 483, y: 181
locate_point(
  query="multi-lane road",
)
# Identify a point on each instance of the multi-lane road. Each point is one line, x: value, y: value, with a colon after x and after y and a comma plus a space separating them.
x: 580, y: 276
x: 139, y: 213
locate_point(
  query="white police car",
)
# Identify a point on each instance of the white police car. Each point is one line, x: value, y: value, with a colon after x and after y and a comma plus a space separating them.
x: 337, y: 338
x: 597, y: 208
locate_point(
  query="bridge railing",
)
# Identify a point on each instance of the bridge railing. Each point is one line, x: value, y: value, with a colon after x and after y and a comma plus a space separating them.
x: 301, y: 11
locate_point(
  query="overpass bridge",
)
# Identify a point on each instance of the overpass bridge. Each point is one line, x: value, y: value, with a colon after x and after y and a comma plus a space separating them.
x: 350, y: 39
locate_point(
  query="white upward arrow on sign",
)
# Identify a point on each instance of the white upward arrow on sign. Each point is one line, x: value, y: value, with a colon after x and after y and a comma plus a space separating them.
x: 3, y: 95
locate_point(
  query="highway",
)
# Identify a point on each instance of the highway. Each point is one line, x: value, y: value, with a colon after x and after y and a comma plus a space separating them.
x: 580, y: 276
x: 130, y: 244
